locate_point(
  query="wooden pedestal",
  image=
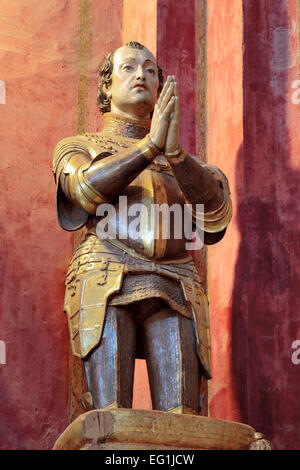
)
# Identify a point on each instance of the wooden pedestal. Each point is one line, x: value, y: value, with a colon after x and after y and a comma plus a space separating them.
x: 123, y: 429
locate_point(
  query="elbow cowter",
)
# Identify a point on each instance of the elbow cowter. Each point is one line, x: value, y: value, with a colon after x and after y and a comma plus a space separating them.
x: 217, y: 220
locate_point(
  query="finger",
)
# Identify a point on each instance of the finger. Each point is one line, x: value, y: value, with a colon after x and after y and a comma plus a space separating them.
x: 169, y: 108
x: 175, y: 88
x: 164, y: 90
x: 176, y: 108
x: 167, y: 97
x: 174, y: 121
x: 174, y: 115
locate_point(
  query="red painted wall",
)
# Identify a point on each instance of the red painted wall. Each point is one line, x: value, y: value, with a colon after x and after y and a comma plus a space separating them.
x: 225, y: 141
x: 265, y: 297
x: 255, y: 308
x: 176, y: 54
x: 106, y: 22
x: 38, y: 64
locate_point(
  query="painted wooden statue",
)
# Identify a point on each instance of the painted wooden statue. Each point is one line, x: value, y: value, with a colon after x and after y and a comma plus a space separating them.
x: 131, y: 295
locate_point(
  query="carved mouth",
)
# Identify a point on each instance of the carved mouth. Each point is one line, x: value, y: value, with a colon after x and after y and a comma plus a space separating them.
x: 140, y: 86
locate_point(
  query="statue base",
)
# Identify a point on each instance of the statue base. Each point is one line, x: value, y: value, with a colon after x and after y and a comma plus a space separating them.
x: 132, y: 429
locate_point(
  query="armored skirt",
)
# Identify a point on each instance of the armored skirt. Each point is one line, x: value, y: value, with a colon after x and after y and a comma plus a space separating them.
x: 102, y: 274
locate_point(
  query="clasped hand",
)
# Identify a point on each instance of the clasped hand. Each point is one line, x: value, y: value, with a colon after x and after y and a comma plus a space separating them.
x: 164, y: 130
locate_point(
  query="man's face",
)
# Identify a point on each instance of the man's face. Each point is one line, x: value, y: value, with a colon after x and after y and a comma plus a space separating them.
x: 134, y: 83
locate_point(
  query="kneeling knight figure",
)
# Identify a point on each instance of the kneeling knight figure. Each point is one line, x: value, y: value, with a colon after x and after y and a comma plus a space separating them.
x: 128, y: 296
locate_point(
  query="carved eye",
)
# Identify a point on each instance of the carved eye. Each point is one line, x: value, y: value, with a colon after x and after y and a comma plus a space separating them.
x: 127, y: 67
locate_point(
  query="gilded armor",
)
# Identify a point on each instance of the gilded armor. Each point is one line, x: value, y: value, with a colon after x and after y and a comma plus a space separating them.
x: 116, y: 272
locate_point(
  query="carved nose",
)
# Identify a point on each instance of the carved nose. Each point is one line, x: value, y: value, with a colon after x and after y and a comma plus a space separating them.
x: 140, y: 74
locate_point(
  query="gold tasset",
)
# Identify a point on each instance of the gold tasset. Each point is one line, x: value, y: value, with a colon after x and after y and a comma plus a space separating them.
x: 198, y: 302
x: 87, y: 295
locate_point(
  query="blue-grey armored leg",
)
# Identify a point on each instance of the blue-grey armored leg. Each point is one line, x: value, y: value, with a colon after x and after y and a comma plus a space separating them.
x: 172, y: 362
x: 110, y: 367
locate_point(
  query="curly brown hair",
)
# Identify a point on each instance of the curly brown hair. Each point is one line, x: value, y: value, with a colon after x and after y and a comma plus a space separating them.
x: 105, y: 77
